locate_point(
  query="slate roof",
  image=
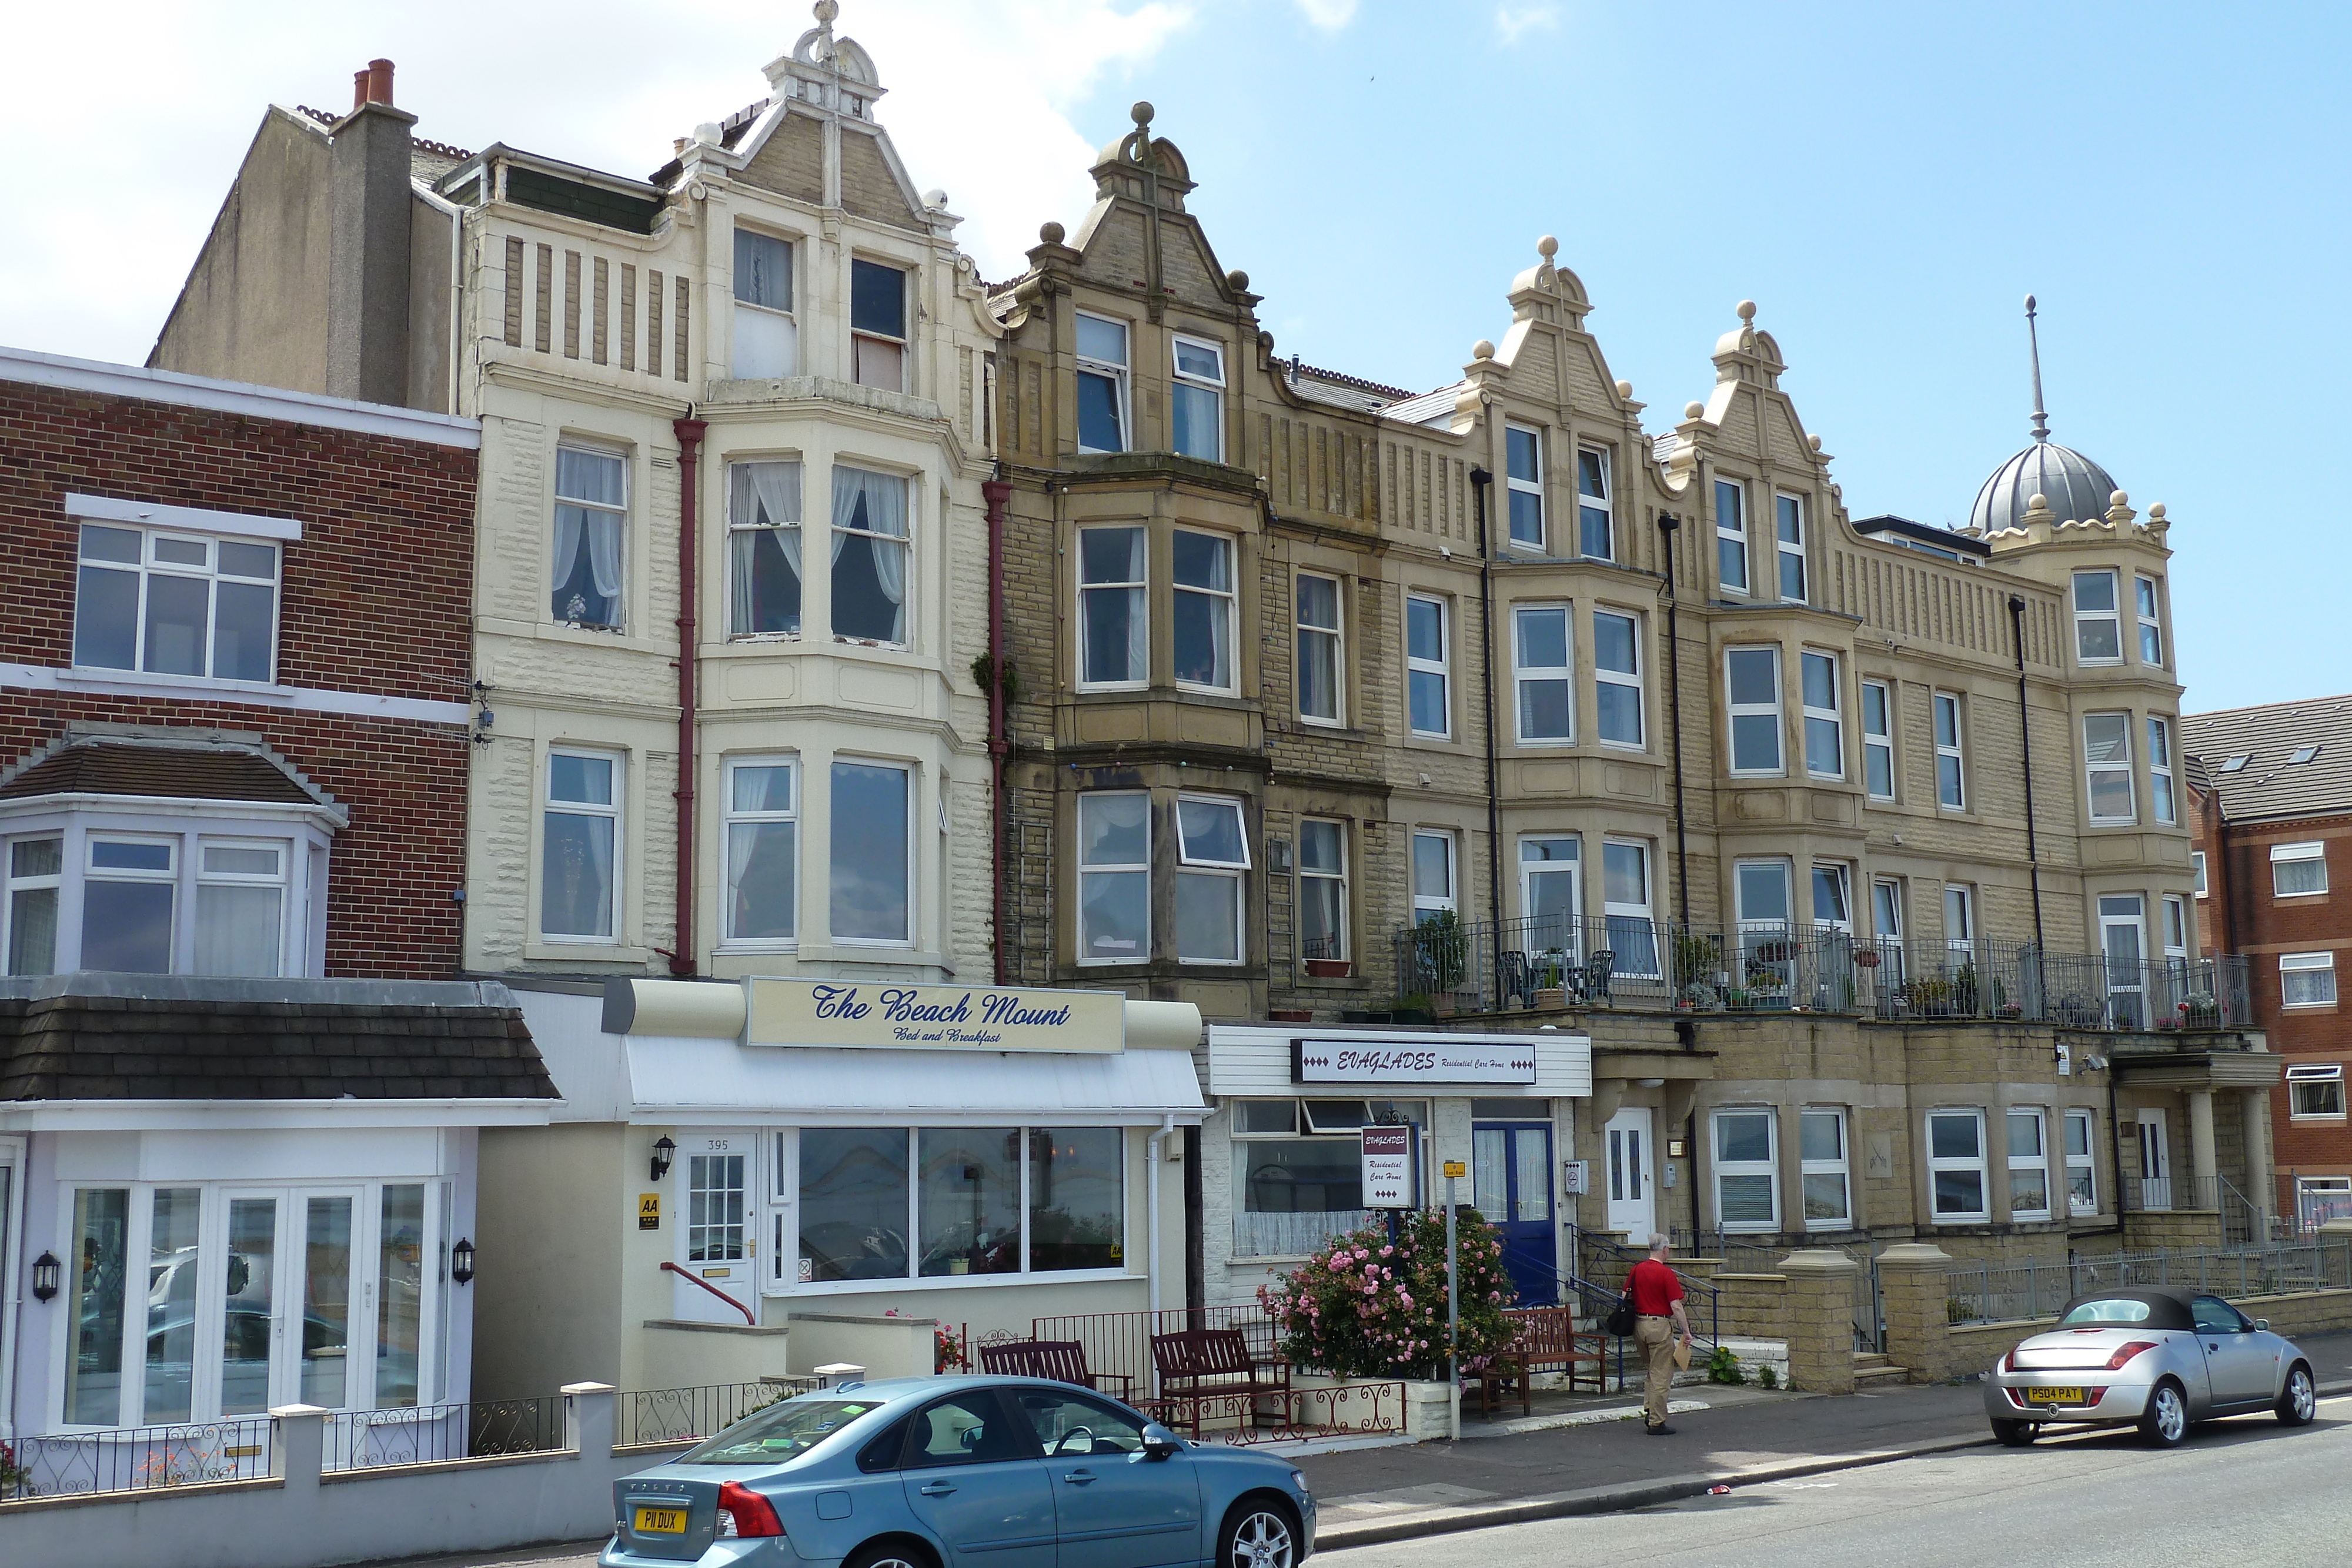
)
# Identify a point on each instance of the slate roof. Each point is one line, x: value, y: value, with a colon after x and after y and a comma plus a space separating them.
x: 68, y: 1038
x: 179, y: 772
x: 2269, y: 785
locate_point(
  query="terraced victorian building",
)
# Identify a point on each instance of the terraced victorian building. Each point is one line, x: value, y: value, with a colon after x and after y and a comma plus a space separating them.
x: 1854, y: 845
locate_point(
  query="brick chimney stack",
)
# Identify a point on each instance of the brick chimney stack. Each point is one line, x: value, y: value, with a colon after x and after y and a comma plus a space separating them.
x: 367, y: 273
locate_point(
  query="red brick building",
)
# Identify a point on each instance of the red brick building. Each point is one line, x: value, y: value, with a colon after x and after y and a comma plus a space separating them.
x: 2272, y: 790
x: 235, y: 704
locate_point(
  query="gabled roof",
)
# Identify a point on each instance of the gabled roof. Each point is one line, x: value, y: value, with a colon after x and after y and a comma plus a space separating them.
x: 197, y: 765
x: 2269, y: 784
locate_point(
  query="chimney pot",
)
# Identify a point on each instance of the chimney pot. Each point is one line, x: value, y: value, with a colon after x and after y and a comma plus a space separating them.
x: 359, y: 89
x: 379, y: 81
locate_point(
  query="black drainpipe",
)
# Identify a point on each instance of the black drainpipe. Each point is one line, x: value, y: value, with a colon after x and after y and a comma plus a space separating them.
x: 1479, y: 480
x: 1668, y: 524
x: 2025, y: 735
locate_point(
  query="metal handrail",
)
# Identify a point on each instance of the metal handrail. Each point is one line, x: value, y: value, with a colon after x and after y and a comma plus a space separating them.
x: 670, y: 1268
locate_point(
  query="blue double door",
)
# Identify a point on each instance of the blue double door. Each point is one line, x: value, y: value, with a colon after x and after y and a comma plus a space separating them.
x: 1511, y: 1186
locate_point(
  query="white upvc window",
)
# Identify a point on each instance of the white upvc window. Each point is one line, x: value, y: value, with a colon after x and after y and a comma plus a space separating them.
x: 1322, y: 889
x: 1551, y: 896
x: 872, y: 870
x: 1114, y: 912
x: 870, y: 529
x: 2082, y: 1164
x: 877, y: 325
x: 1752, y: 683
x: 1523, y: 480
x: 130, y: 903
x: 1594, y: 530
x: 1833, y: 896
x: 2123, y: 941
x: 1762, y: 897
x: 1114, y: 609
x: 1197, y: 399
x: 1205, y: 611
x: 2176, y: 928
x: 1428, y: 657
x: 1886, y: 929
x: 580, y: 844
x: 2029, y: 1166
x: 1959, y: 921
x: 1617, y: 678
x: 1951, y: 771
x: 2298, y: 871
x: 1824, y: 1168
x: 1322, y: 661
x: 1626, y: 906
x: 1746, y: 1169
x: 763, y: 839
x: 763, y: 548
x: 2197, y: 863
x: 1956, y: 1167
x: 1543, y: 669
x: 767, y: 332
x: 173, y: 603
x: 2151, y: 624
x: 1433, y: 890
x: 2159, y: 770
x: 1824, y: 715
x: 1788, y: 530
x: 2107, y: 766
x: 2315, y: 1093
x: 592, y: 510
x: 2098, y: 626
x: 2307, y: 979
x: 1212, y: 863
x: 241, y: 906
x: 1731, y: 536
x: 35, y: 866
x: 1102, y: 384
x: 1878, y: 739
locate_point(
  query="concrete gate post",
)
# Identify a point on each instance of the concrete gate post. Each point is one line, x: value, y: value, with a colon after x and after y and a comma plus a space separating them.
x: 1912, y: 1291
x: 1821, y: 1321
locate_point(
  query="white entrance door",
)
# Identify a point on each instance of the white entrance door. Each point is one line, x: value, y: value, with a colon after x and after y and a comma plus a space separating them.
x: 1633, y: 1209
x: 714, y: 1245
x: 2155, y: 1163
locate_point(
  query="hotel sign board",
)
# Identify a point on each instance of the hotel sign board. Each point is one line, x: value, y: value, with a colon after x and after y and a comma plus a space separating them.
x: 1387, y: 1166
x: 1424, y: 1059
x: 893, y: 1015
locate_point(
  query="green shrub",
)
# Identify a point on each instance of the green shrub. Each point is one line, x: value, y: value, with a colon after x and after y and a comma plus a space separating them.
x: 1364, y: 1308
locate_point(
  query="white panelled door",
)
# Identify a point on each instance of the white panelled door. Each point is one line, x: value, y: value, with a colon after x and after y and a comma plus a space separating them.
x: 1630, y: 1173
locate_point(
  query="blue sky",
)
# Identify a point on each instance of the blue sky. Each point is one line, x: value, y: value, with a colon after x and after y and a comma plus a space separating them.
x: 1887, y: 182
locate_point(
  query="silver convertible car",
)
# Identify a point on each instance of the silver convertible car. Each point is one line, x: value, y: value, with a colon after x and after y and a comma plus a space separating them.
x: 2161, y: 1359
x: 960, y: 1472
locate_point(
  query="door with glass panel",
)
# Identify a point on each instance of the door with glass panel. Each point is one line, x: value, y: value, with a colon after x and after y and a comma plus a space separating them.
x: 715, y: 1238
x: 2155, y: 1163
x: 1886, y: 922
x: 1510, y: 1182
x: 1631, y: 1207
x: 2122, y: 944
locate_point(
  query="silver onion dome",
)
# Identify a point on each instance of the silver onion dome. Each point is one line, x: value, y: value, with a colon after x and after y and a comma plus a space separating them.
x: 2075, y: 488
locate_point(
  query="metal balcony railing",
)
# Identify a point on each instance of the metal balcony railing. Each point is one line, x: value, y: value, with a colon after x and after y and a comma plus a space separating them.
x: 1635, y: 962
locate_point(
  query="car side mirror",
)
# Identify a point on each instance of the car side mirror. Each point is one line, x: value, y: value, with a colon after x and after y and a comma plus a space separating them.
x: 2263, y: 1324
x: 1159, y: 1443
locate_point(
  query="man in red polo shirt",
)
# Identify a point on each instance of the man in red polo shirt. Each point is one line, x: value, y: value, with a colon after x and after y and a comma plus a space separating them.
x: 1657, y: 1294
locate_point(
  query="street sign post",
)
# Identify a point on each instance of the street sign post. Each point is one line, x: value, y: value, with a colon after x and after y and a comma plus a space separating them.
x: 1454, y: 1171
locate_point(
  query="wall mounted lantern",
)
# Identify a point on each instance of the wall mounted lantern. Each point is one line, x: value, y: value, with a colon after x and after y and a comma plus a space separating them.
x: 461, y: 1262
x: 45, y: 1270
x: 663, y: 1149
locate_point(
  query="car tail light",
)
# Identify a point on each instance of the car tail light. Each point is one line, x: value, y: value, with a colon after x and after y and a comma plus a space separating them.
x: 2009, y: 1360
x: 742, y: 1511
x: 2125, y: 1351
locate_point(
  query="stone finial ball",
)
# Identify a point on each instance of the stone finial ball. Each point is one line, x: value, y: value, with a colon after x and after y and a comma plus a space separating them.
x: 2037, y: 502
x: 1237, y: 280
x: 1482, y: 350
x: 1748, y: 310
x: 1050, y: 232
x: 1625, y: 389
x: 827, y: 10
x: 1692, y: 410
x: 1547, y: 248
x: 2119, y: 499
x: 1142, y: 113
x: 2155, y: 512
x: 1814, y: 441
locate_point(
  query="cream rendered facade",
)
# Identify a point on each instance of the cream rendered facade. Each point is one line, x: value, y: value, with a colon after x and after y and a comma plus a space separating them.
x: 583, y: 337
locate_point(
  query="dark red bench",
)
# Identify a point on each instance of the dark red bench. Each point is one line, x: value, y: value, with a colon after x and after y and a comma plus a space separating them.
x: 1199, y: 1365
x: 1544, y: 1339
x: 1062, y: 1360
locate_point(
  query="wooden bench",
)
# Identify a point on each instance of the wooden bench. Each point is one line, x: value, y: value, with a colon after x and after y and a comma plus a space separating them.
x: 1545, y: 1340
x: 1198, y: 1366
x: 1061, y: 1360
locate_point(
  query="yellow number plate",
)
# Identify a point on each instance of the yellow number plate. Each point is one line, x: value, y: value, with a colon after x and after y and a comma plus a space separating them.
x: 2054, y: 1397
x: 661, y: 1522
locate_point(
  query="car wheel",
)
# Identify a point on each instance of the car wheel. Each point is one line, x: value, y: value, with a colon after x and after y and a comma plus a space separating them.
x: 890, y: 1554
x: 2014, y: 1433
x: 2166, y: 1422
x: 1258, y: 1533
x: 2299, y: 1402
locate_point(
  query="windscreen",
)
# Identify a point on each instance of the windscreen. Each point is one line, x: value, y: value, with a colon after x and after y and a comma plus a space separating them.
x: 2087, y: 1314
x: 781, y: 1432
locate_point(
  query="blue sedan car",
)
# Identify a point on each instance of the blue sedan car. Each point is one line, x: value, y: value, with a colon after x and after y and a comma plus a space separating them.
x: 961, y: 1472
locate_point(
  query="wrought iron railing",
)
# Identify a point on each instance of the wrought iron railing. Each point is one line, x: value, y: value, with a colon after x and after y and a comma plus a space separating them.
x: 687, y: 1414
x: 1999, y: 1292
x: 1635, y: 962
x: 435, y: 1434
x: 135, y: 1458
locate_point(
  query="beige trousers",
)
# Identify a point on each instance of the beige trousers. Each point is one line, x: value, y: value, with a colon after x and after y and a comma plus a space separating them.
x: 1656, y: 1339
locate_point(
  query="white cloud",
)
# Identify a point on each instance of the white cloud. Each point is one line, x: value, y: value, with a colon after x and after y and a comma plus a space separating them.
x: 1514, y: 21
x: 1328, y: 15
x: 135, y: 124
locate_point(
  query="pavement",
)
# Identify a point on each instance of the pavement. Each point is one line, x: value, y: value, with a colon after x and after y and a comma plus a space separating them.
x: 1591, y: 1457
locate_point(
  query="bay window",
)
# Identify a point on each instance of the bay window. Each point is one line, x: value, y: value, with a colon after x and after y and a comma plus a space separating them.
x: 763, y: 835
x: 2099, y: 635
x: 1102, y: 384
x: 869, y: 556
x: 763, y: 548
x: 1886, y: 921
x: 1747, y: 1170
x: 1196, y: 401
x: 1114, y: 617
x: 1524, y: 482
x: 176, y: 604
x: 2106, y: 762
x: 1550, y: 897
x: 1788, y: 527
x: 1211, y: 882
x: 1114, y: 877
x: 2081, y: 1165
x: 1617, y: 677
x: 592, y: 505
x: 877, y: 325
x: 2159, y: 769
x: 1319, y: 649
x: 1956, y: 1167
x: 767, y: 336
x: 1731, y: 536
x: 1626, y: 906
x: 1822, y: 1165
x: 1593, y: 505
x: 580, y: 845
x: 1833, y: 897
x: 2029, y: 1166
x: 1204, y: 610
x: 1824, y: 715
x: 2151, y: 628
x: 1541, y: 663
x: 130, y: 889
x: 240, y: 906
x: 1433, y: 875
x: 1322, y: 889
x: 872, y: 866
x: 36, y: 876
x: 1752, y: 683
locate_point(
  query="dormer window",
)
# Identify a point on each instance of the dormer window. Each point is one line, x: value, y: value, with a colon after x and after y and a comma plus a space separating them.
x: 877, y: 325
x: 767, y: 336
x: 1102, y: 384
x: 1196, y: 401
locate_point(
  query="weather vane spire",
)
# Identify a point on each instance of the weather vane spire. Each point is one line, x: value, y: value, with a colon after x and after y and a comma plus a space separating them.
x: 2034, y: 339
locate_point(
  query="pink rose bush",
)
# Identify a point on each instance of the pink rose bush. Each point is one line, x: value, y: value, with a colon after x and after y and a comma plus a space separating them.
x: 1363, y: 1308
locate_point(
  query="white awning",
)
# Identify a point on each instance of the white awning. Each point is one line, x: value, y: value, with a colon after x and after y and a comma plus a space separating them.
x: 709, y: 1081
